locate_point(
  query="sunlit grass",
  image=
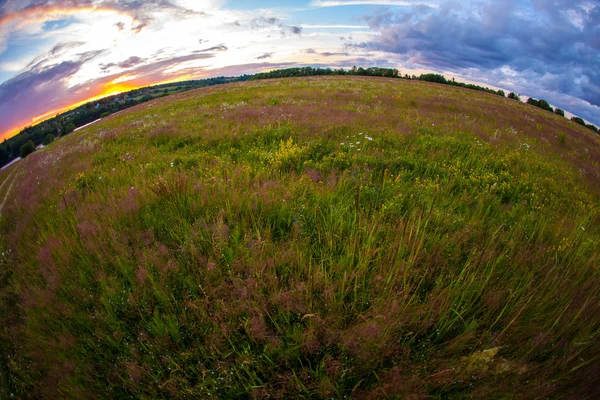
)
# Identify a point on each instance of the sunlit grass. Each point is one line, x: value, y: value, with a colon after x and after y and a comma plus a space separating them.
x: 319, y: 237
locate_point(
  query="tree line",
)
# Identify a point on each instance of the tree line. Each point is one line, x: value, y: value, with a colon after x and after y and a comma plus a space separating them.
x: 26, y: 141
x: 394, y: 73
x: 45, y: 132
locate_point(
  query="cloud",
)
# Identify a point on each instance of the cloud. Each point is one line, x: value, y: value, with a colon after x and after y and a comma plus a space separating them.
x: 341, y: 3
x: 267, y: 22
x: 325, y: 53
x: 263, y: 22
x: 296, y: 30
x: 220, y: 47
x: 141, y: 12
x: 554, y: 49
x: 55, y: 53
x: 129, y: 63
x: 264, y: 56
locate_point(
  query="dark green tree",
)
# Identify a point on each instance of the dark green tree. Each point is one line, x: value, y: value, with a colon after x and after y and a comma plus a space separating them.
x: 514, y: 96
x: 592, y: 127
x: 560, y: 112
x: 48, y: 139
x: 69, y: 128
x: 578, y: 120
x: 26, y: 149
x: 3, y: 154
x: 543, y: 104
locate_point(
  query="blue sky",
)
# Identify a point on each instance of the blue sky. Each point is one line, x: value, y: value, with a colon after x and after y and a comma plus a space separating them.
x: 58, y: 53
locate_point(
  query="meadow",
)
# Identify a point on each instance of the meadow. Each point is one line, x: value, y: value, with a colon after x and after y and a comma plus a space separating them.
x: 321, y: 237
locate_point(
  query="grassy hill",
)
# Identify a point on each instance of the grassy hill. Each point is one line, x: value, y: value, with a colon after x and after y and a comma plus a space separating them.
x: 331, y: 237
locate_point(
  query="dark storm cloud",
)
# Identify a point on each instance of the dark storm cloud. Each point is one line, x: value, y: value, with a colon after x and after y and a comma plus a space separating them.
x: 555, y: 47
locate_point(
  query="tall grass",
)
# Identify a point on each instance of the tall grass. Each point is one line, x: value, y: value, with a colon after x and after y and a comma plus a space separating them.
x: 286, y: 246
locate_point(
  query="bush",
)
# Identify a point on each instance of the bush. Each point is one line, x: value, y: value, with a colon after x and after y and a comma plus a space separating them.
x: 578, y: 120
x: 514, y: 96
x: 592, y: 127
x: 560, y: 112
x: 562, y: 138
x: 27, y: 149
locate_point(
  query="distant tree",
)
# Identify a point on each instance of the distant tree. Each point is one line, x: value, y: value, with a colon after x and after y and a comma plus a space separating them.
x: 69, y: 128
x: 560, y: 112
x: 592, y: 127
x: 26, y: 149
x: 533, y: 102
x: 3, y: 154
x: 578, y: 120
x: 433, y: 78
x: 543, y: 104
x: 48, y: 139
x: 514, y: 96
x: 500, y: 93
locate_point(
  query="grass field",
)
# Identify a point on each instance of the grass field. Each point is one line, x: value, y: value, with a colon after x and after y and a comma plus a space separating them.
x: 336, y: 237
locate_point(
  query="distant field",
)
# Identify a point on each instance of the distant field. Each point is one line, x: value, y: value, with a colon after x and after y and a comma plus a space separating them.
x: 332, y: 237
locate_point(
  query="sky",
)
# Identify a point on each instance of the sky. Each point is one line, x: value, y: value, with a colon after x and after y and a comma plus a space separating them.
x: 56, y: 54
